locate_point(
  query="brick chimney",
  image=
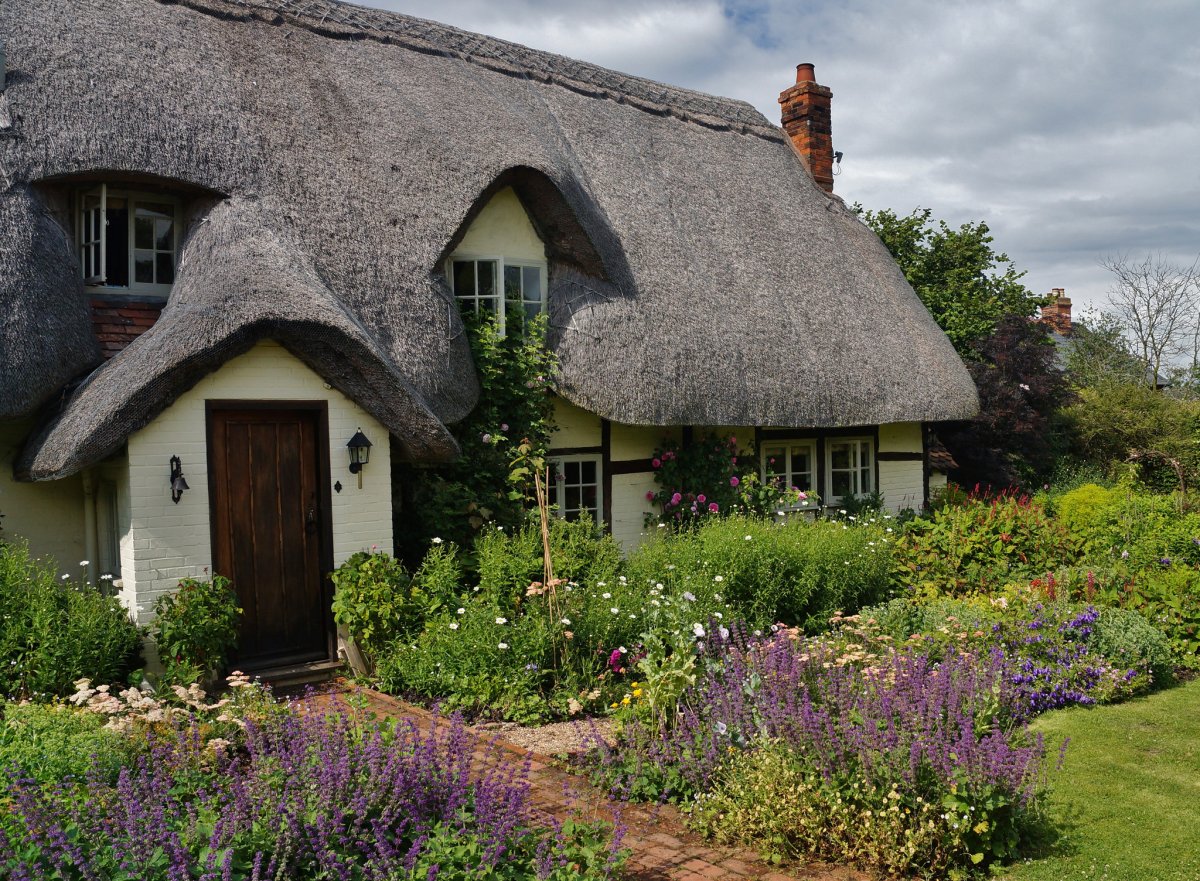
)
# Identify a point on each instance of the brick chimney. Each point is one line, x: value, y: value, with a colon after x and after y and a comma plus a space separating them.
x: 806, y: 120
x: 1058, y: 313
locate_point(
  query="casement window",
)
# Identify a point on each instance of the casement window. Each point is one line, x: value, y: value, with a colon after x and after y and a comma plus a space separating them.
x: 128, y: 240
x: 849, y: 468
x: 790, y: 464
x: 577, y: 486
x: 512, y: 290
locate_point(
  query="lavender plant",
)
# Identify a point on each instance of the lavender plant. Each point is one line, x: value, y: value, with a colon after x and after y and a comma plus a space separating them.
x: 312, y: 796
x: 931, y: 733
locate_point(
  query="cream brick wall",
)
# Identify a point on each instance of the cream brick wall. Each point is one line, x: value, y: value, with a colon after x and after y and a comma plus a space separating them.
x: 629, y: 507
x: 576, y: 427
x: 902, y: 485
x: 900, y: 437
x: 165, y: 542
x: 502, y: 229
x: 48, y: 515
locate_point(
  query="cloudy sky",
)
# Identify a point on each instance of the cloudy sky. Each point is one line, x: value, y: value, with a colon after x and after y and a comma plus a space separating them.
x: 1072, y: 127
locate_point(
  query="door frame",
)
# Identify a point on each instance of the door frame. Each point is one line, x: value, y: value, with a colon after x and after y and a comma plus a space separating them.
x: 324, y: 492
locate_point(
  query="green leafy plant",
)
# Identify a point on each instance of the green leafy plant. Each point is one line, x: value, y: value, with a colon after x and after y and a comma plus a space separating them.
x: 54, y: 631
x: 196, y: 628
x: 981, y: 545
x: 473, y: 494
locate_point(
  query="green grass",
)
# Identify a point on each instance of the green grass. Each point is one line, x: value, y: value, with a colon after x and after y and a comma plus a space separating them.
x: 1127, y: 801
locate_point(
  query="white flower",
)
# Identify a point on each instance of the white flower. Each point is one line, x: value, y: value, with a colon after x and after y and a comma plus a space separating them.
x: 436, y: 540
x: 622, y: 649
x: 698, y: 629
x: 724, y: 633
x: 718, y: 578
x: 566, y: 621
x: 106, y: 577
x: 501, y: 620
x: 462, y: 611
x: 503, y: 645
x: 615, y: 610
x: 718, y: 615
x: 749, y: 538
x: 607, y: 596
x: 83, y: 562
x: 658, y: 585
x: 605, y: 583
x: 454, y: 625
x: 721, y: 727
x: 66, y: 577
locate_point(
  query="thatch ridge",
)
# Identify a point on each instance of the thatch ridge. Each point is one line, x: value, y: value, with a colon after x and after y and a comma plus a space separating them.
x: 341, y: 20
x: 697, y: 276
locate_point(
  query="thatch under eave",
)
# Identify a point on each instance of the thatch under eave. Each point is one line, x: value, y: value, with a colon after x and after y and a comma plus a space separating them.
x: 217, y: 313
x: 46, y: 334
x: 721, y: 285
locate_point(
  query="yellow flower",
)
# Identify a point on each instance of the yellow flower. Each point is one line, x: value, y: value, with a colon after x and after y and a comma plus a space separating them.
x: 612, y: 706
x: 625, y: 701
x: 636, y: 684
x: 637, y: 692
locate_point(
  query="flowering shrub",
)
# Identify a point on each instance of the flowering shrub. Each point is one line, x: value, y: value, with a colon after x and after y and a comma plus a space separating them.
x: 702, y: 479
x: 311, y: 796
x: 53, y: 631
x: 906, y: 733
x: 981, y: 545
x: 196, y: 628
x: 1055, y: 653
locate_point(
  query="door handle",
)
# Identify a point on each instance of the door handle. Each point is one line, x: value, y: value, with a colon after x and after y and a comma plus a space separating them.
x: 310, y: 520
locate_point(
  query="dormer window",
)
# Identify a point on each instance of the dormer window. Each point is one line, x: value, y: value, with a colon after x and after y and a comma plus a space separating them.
x: 485, y: 284
x: 128, y: 240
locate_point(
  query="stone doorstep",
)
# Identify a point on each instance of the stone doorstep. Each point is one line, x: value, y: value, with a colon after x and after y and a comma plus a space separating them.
x: 661, y: 847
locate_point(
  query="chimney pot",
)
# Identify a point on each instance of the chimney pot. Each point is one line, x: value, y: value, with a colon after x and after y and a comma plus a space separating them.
x: 806, y: 119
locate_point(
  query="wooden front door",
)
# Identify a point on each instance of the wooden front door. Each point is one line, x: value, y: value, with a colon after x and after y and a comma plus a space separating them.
x: 268, y: 467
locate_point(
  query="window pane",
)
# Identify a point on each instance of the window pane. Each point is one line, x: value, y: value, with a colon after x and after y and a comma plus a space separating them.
x: 532, y: 310
x: 572, y: 471
x: 464, y: 278
x: 143, y: 232
x: 531, y: 276
x: 512, y: 283
x: 164, y: 235
x: 165, y: 268
x: 588, y: 472
x: 840, y: 481
x: 487, y: 278
x: 589, y: 500
x: 143, y: 267
x: 840, y: 455
x: 573, y: 498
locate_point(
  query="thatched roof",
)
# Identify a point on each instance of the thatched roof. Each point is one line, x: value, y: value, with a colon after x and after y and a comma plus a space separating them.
x: 698, y: 276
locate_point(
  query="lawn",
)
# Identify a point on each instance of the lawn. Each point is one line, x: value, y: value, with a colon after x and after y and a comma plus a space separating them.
x: 1128, y: 798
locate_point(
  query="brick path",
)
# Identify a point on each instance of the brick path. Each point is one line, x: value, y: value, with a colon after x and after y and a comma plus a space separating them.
x: 661, y: 847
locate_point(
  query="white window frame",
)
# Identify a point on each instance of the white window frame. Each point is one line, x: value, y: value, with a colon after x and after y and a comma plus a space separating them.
x: 813, y: 475
x: 501, y: 262
x: 98, y: 280
x: 856, y: 469
x: 557, y: 494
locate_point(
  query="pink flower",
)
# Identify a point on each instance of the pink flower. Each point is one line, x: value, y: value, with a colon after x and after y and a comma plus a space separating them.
x: 656, y: 463
x: 732, y: 440
x: 734, y: 460
x: 713, y: 507
x: 650, y: 496
x: 676, y: 499
x: 733, y: 481
x: 701, y: 499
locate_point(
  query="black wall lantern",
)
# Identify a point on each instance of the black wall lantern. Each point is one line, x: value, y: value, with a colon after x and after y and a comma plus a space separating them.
x: 360, y: 454
x: 178, y: 481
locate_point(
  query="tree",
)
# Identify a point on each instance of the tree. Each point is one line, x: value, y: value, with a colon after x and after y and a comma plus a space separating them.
x: 1156, y: 302
x: 1017, y: 436
x: 1098, y: 352
x: 967, y: 287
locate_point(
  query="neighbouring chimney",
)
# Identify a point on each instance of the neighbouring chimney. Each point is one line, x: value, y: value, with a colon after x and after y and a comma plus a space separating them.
x: 806, y: 120
x: 1058, y: 313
